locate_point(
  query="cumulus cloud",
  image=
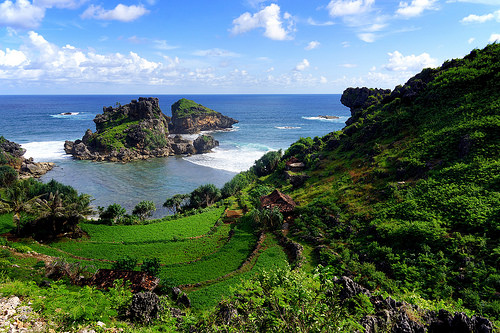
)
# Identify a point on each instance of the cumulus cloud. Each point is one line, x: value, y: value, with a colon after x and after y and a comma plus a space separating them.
x: 415, y: 7
x: 349, y: 65
x: 12, y: 58
x: 302, y: 65
x: 20, y: 14
x: 349, y: 7
x: 411, y: 63
x: 121, y: 13
x: 268, y: 18
x: 312, y: 45
x: 472, y: 18
x: 494, y: 38
x: 471, y: 40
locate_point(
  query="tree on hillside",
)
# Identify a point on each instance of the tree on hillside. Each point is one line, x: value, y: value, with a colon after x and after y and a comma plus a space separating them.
x: 144, y: 209
x: 267, y: 163
x: 112, y: 214
x: 175, y: 203
x: 17, y: 202
x: 204, y: 196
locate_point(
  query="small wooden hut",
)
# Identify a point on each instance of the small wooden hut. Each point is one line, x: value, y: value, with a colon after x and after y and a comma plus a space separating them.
x: 280, y: 200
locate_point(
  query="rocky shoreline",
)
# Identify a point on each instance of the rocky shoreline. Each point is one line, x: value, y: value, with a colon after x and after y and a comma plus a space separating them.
x: 140, y: 130
x: 26, y: 167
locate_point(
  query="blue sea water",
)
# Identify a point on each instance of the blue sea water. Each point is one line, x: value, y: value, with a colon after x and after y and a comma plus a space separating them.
x: 266, y: 122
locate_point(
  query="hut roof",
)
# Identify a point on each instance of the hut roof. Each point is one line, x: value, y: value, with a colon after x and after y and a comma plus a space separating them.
x: 104, y: 279
x: 277, y: 199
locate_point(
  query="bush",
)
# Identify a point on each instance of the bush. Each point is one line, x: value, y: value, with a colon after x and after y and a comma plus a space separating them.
x: 7, y: 175
x: 112, y: 214
x: 151, y: 266
x: 204, y: 196
x: 126, y: 263
x: 267, y: 163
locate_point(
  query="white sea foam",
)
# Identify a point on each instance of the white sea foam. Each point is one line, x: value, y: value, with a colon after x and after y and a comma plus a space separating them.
x: 237, y: 159
x: 336, y: 120
x: 73, y: 115
x: 45, y: 151
x: 287, y: 127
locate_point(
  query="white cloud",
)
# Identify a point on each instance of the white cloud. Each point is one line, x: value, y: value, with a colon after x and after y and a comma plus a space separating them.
x: 349, y: 7
x: 411, y: 63
x: 215, y: 53
x: 12, y: 58
x: 302, y: 65
x: 20, y: 14
x: 311, y: 21
x: 312, y: 45
x: 472, y: 18
x: 163, y: 45
x: 121, y: 13
x: 494, y: 38
x: 268, y: 18
x: 349, y: 65
x: 472, y: 39
x: 367, y: 37
x: 323, y: 80
x: 70, y: 4
x: 415, y: 8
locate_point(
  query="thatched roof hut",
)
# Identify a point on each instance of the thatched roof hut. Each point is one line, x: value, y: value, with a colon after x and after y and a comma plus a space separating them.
x: 277, y: 199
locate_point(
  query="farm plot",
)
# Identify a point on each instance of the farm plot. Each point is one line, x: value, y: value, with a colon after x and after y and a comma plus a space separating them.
x: 227, y: 259
x: 186, y: 227
x: 270, y: 257
x: 168, y: 252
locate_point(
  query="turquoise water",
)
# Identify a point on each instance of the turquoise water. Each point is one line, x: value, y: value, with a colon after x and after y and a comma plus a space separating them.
x: 266, y: 122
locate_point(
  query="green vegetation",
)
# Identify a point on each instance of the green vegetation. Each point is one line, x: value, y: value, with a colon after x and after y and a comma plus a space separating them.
x: 405, y: 201
x: 184, y: 108
x: 144, y: 209
x: 113, y: 136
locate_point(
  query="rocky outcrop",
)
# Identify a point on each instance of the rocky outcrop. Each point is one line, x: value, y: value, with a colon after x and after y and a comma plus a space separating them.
x: 394, y: 316
x: 145, y: 307
x: 134, y: 131
x: 358, y: 99
x: 191, y: 117
x: 12, y: 154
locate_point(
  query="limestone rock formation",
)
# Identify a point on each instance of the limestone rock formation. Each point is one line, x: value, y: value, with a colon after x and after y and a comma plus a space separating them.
x: 138, y: 130
x: 191, y: 117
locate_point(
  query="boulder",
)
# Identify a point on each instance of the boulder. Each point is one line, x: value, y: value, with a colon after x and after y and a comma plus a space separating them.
x: 145, y: 307
x: 205, y: 144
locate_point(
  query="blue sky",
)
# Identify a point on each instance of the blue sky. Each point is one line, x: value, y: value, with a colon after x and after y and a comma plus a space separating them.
x: 232, y: 46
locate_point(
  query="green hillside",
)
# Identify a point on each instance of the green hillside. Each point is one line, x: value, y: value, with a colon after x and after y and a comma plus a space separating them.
x: 405, y: 201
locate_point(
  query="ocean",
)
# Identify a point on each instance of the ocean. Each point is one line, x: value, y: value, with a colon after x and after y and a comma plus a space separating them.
x: 266, y: 122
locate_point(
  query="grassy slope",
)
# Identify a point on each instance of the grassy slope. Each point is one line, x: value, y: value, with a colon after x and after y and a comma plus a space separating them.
x: 408, y: 196
x: 185, y: 108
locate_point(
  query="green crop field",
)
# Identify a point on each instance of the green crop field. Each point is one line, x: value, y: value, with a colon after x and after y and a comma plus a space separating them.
x: 185, y: 227
x: 229, y: 258
x: 270, y: 257
x: 168, y: 251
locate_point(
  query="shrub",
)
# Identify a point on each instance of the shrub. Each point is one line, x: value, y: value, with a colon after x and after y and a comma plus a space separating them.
x: 7, y: 175
x: 151, y: 266
x: 267, y: 163
x: 126, y: 263
x: 204, y: 196
x: 112, y: 214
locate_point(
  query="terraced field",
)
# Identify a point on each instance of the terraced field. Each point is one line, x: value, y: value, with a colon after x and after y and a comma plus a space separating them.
x: 199, y: 252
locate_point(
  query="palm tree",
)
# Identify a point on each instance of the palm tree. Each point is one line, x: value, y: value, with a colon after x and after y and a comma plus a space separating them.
x: 17, y: 201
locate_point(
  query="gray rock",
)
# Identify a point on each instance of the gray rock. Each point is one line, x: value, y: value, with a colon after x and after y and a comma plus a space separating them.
x: 145, y: 307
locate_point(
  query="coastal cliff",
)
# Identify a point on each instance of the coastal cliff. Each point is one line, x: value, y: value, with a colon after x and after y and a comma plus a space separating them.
x: 140, y: 130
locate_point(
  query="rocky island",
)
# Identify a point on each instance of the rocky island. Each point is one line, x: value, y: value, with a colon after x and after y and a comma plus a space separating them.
x: 140, y: 130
